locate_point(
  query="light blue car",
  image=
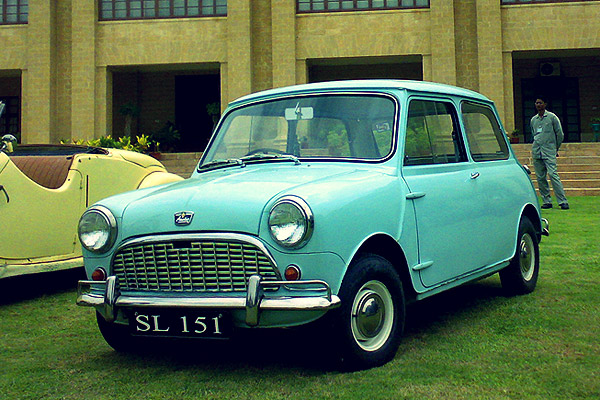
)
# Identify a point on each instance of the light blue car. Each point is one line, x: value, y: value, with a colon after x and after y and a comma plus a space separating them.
x: 340, y: 202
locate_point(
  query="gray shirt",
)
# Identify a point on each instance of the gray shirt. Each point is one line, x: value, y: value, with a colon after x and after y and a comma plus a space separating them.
x: 547, y: 135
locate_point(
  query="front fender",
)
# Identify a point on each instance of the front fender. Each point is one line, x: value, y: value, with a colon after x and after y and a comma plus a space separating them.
x: 158, y: 178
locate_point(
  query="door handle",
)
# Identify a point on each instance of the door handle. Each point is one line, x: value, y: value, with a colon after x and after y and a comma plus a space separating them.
x: 5, y: 193
x: 474, y: 175
x: 415, y: 195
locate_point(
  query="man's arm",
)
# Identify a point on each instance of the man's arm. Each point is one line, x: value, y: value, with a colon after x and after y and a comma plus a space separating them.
x: 558, y: 132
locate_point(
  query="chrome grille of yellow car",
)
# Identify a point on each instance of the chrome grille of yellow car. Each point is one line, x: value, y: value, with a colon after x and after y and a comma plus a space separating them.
x: 191, y: 266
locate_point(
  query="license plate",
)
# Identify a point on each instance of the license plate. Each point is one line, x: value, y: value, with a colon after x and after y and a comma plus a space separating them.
x: 190, y: 323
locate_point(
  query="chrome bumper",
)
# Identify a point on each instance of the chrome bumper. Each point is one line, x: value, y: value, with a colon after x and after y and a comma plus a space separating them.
x: 545, y: 227
x: 253, y: 303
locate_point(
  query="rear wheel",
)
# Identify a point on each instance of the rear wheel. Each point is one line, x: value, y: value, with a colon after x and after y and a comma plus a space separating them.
x: 370, y: 322
x: 520, y: 276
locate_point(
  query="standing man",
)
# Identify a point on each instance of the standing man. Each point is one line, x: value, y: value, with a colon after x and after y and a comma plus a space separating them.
x: 547, y: 138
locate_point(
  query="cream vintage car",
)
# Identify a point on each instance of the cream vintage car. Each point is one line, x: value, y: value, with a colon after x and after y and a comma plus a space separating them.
x: 44, y: 189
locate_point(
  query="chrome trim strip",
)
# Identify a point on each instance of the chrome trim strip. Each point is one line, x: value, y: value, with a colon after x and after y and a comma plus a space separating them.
x: 277, y: 303
x: 234, y: 237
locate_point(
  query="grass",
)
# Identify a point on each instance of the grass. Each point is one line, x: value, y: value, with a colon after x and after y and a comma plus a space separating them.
x: 469, y: 343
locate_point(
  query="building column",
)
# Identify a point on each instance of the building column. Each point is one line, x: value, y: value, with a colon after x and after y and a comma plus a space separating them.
x: 489, y: 52
x: 239, y: 49
x: 37, y: 83
x: 443, y: 49
x: 508, y: 113
x: 104, y: 102
x: 283, y: 25
x: 83, y: 69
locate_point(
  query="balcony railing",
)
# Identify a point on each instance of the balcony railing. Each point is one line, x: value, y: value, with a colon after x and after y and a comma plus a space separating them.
x: 156, y: 9
x: 310, y: 6
x: 14, y: 11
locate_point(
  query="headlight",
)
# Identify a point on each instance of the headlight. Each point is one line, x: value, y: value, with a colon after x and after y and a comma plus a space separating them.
x: 97, y: 229
x: 291, y: 222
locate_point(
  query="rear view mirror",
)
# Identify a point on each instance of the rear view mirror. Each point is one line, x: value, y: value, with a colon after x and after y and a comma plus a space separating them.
x: 298, y: 113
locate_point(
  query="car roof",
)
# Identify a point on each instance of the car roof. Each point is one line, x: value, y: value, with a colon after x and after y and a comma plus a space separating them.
x: 365, y: 84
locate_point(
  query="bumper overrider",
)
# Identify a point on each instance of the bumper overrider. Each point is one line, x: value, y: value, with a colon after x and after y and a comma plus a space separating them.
x: 105, y: 297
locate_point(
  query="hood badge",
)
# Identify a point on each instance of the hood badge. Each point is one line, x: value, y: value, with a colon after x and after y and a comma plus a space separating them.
x: 183, y: 218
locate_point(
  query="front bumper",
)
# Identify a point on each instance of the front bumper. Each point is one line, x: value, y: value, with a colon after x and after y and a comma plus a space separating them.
x: 105, y: 297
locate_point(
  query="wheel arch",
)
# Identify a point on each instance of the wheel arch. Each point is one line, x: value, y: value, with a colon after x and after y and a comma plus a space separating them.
x: 386, y: 247
x: 531, y: 212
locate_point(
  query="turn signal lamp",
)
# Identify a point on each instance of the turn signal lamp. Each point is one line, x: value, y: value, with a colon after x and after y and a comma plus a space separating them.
x: 99, y: 274
x: 292, y: 273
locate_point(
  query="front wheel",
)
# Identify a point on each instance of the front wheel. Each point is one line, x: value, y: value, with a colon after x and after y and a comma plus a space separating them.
x: 520, y: 276
x: 370, y: 322
x: 116, y: 335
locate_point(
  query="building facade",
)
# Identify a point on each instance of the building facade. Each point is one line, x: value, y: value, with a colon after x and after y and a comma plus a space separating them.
x: 81, y: 69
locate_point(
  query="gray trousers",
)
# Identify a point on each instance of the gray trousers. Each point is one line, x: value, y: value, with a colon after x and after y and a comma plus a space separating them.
x: 547, y: 167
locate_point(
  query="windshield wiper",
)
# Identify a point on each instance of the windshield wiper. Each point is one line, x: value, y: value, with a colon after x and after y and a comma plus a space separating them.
x: 266, y: 157
x: 221, y: 164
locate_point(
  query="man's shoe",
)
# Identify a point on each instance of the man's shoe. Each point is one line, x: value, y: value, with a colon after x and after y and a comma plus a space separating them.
x: 549, y: 205
x: 564, y: 206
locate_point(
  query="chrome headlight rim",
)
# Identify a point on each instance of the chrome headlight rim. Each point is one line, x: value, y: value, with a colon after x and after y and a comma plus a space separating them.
x: 307, y: 214
x: 111, y: 222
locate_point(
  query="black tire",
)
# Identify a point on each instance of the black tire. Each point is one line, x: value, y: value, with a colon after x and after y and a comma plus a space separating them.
x: 369, y: 338
x: 521, y: 275
x: 116, y: 335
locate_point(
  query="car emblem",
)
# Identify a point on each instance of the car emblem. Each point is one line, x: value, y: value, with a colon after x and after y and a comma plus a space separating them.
x: 183, y: 218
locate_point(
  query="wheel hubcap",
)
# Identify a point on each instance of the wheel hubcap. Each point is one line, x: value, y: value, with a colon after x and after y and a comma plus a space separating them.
x: 527, y: 257
x: 372, y: 316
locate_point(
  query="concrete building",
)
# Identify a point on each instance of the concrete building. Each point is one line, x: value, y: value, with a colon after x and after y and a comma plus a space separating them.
x: 81, y: 69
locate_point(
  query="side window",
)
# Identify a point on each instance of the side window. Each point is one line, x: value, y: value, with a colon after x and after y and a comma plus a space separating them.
x: 431, y: 134
x: 485, y: 138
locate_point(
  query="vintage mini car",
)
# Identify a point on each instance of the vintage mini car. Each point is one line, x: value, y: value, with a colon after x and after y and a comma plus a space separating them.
x: 339, y: 202
x: 44, y: 189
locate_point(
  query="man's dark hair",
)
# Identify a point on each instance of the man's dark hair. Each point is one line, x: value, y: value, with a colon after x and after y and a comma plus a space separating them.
x: 543, y: 98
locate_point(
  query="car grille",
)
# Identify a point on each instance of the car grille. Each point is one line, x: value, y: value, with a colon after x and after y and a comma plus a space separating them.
x: 191, y: 266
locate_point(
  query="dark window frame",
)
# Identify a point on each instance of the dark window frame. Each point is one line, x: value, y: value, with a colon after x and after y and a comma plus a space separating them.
x: 357, y: 5
x: 21, y: 12
x: 524, y: 2
x: 10, y: 120
x: 137, y: 9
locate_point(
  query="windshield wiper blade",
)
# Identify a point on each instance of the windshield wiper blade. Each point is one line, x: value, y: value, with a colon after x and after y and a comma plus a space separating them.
x: 265, y: 156
x: 221, y: 164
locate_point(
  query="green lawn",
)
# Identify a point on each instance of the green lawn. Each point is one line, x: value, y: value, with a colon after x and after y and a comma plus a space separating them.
x: 470, y: 343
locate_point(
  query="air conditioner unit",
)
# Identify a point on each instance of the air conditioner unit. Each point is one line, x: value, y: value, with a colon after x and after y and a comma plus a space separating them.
x: 550, y: 69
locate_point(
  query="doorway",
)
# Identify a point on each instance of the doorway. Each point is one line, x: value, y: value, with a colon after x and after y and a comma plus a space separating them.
x: 563, y: 100
x: 197, y: 107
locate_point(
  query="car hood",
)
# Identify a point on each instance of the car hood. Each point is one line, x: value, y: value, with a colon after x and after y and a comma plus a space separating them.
x: 229, y: 199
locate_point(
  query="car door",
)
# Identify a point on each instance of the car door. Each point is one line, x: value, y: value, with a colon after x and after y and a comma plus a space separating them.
x: 36, y: 222
x: 496, y: 182
x: 444, y: 192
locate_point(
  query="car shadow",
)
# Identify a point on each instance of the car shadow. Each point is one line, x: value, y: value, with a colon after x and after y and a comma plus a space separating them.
x: 302, y: 348
x: 26, y: 287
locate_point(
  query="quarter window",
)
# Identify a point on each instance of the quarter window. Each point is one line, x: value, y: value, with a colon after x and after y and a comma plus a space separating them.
x: 486, y: 140
x: 431, y: 134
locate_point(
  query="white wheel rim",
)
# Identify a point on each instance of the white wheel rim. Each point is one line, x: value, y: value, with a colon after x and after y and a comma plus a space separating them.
x: 527, y: 256
x: 372, y: 316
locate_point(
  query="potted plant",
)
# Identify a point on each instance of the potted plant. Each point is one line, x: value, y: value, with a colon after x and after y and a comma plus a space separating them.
x: 514, y: 136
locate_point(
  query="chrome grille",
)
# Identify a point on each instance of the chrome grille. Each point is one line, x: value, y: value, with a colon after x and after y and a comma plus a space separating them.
x: 191, y: 266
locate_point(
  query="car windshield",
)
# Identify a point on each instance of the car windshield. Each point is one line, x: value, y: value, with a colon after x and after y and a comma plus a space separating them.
x: 318, y: 127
